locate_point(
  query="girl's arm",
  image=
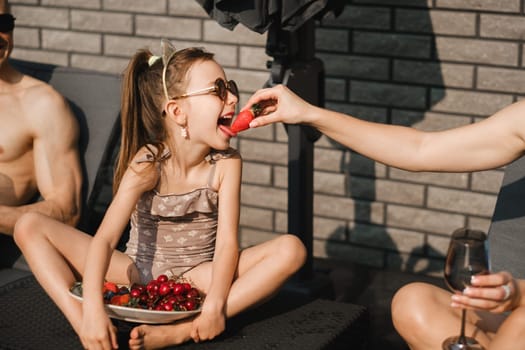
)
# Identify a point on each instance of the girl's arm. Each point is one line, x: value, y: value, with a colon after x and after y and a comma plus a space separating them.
x: 488, y: 144
x: 137, y: 179
x: 211, y: 322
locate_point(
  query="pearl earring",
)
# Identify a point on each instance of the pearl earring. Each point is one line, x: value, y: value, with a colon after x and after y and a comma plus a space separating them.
x: 184, y: 132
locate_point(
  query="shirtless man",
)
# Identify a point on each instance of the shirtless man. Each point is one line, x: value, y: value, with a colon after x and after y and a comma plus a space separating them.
x: 38, y: 148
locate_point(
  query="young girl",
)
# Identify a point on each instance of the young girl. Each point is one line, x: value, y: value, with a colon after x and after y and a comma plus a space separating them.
x: 175, y: 170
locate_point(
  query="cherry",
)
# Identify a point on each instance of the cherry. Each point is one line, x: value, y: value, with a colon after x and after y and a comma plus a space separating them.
x: 164, y: 288
x: 162, y: 278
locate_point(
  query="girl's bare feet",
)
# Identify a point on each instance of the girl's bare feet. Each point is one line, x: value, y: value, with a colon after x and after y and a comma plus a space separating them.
x: 145, y: 337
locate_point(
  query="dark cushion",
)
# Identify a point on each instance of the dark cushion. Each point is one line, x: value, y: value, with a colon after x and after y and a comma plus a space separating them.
x: 507, y: 230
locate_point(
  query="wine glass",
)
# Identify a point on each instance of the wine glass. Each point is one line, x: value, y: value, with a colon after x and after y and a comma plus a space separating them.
x: 466, y: 257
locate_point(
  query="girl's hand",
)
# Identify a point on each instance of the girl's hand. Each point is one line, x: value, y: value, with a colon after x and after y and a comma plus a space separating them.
x: 208, y: 325
x: 496, y: 292
x: 97, y: 331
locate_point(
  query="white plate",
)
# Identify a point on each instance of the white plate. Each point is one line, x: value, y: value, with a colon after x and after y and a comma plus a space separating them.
x: 131, y: 314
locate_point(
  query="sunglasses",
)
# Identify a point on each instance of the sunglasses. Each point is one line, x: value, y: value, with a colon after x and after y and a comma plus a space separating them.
x: 220, y: 88
x: 7, y: 22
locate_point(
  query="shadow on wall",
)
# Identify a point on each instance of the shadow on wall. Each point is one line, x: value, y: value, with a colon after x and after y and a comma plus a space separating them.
x: 392, y: 75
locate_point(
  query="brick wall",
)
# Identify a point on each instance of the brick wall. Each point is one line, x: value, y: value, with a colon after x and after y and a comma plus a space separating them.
x: 430, y: 64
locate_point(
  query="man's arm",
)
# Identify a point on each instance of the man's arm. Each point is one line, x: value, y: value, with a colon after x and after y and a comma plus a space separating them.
x: 56, y: 161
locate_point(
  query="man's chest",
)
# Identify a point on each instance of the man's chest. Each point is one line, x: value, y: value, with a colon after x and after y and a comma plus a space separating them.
x: 16, y: 137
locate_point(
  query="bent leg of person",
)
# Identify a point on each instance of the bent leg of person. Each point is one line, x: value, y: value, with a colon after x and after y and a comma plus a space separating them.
x: 261, y: 271
x: 511, y: 334
x: 422, y: 315
x: 56, y: 254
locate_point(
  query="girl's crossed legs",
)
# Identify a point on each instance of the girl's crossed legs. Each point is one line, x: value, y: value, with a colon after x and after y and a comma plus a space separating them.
x: 56, y: 254
x: 261, y: 270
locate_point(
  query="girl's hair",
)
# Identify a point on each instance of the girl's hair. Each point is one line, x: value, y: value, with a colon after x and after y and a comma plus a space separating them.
x: 142, y: 102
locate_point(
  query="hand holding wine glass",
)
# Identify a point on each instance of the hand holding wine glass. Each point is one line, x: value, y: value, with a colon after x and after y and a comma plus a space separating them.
x: 466, y: 257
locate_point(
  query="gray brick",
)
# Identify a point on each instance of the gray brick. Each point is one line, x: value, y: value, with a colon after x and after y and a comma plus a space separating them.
x: 256, y: 218
x: 485, y: 5
x: 225, y: 55
x: 27, y: 37
x: 125, y: 46
x: 248, y: 80
x: 331, y: 40
x: 461, y: 201
x: 347, y: 208
x: 139, y: 6
x: 477, y: 51
x: 184, y: 28
x: 370, y: 113
x: 387, y: 94
x: 335, y: 89
x: 96, y: 21
x: 98, y: 63
x: 29, y: 2
x: 395, y: 192
x: 71, y: 41
x: 264, y: 197
x: 505, y: 27
x: 267, y: 152
x: 91, y: 4
x: 478, y: 223
x: 407, y: 241
x: 361, y: 165
x: 428, y: 121
x: 41, y: 56
x: 328, y: 159
x: 186, y: 8
x: 487, y: 181
x: 371, y: 236
x: 255, y: 173
x: 436, y: 22
x: 329, y: 183
x: 423, y: 219
x: 263, y: 134
x: 345, y: 252
x: 32, y: 16
x: 459, y: 101
x: 253, y: 58
x: 456, y: 180
x: 363, y: 17
x: 438, y: 245
x: 387, y: 44
x: 240, y: 35
x: 339, y: 65
x: 280, y: 176
x: 433, y: 73
x: 411, y: 3
x: 281, y: 221
x: 330, y: 229
x: 501, y: 79
x: 250, y: 237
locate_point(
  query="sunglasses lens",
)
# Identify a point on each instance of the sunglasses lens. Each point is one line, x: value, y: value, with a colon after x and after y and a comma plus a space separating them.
x: 7, y: 23
x: 232, y: 86
x: 220, y: 89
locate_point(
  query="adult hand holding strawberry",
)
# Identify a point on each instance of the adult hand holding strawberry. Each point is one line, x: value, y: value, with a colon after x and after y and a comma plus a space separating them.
x: 243, y: 119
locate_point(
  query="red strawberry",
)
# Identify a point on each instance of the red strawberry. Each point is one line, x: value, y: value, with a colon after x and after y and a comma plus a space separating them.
x: 244, y: 118
x: 110, y: 286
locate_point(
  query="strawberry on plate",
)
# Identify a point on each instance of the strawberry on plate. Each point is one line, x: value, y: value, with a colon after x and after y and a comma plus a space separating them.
x: 243, y: 119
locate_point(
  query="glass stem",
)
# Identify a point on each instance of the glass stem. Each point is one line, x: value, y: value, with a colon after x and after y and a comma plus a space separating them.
x: 462, y: 338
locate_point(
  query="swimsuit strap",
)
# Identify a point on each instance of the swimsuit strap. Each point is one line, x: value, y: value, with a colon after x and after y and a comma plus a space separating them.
x: 210, y: 176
